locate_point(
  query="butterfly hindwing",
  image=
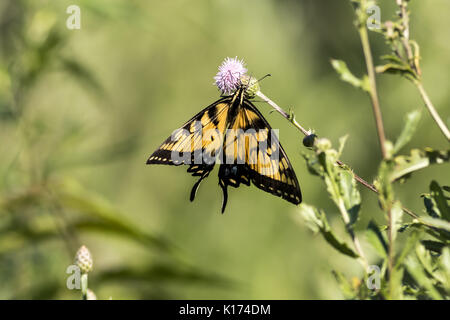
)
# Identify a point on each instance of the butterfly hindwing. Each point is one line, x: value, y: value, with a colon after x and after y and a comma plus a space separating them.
x: 258, y: 157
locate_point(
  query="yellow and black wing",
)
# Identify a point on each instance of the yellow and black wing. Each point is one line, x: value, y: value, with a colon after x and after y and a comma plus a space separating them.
x: 232, y: 132
x: 188, y: 141
x: 188, y: 145
x: 258, y: 157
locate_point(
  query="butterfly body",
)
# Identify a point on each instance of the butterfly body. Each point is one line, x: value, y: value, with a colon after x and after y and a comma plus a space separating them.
x: 233, y: 134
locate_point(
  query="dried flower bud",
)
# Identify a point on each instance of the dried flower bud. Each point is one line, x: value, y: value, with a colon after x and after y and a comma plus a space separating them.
x: 309, y: 140
x: 389, y: 25
x: 83, y: 259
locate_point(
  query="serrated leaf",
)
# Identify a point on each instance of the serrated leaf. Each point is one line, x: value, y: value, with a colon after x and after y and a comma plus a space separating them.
x: 316, y: 220
x: 437, y: 223
x: 313, y: 165
x: 309, y: 215
x: 417, y: 160
x: 345, y: 74
x: 411, y: 122
x: 424, y: 258
x: 350, y: 195
x: 336, y: 243
x: 415, y: 269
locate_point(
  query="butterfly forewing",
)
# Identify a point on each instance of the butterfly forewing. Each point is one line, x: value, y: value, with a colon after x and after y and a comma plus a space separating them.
x: 191, y: 140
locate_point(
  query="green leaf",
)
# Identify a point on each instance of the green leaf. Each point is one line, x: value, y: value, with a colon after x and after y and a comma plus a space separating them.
x: 412, y: 119
x: 396, y: 66
x: 411, y: 242
x: 102, y: 215
x: 440, y: 199
x: 418, y: 159
x: 82, y: 74
x: 431, y: 206
x: 310, y: 217
x: 444, y: 263
x: 395, y: 284
x: 342, y: 69
x: 376, y: 239
x: 415, y: 269
x: 317, y: 222
x: 396, y: 217
x: 350, y: 195
x: 345, y: 285
x: 163, y: 272
x: 437, y: 223
x: 384, y: 185
x: 434, y: 246
x: 342, y: 141
x: 391, y: 58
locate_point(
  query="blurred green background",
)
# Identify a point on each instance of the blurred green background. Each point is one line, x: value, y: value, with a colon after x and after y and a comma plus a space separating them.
x: 81, y: 110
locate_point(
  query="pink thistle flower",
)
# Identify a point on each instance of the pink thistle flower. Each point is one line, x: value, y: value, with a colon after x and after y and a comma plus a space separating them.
x: 228, y: 78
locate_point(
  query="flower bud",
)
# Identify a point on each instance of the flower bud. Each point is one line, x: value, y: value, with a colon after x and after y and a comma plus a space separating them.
x: 309, y: 140
x: 323, y: 144
x: 83, y: 259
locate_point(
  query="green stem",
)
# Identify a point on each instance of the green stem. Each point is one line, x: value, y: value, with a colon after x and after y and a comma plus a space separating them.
x: 391, y: 251
x: 373, y: 89
x: 84, y: 285
x: 291, y: 118
x: 341, y: 164
x: 432, y: 110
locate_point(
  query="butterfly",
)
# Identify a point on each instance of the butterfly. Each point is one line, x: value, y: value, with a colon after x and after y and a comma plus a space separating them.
x: 232, y: 133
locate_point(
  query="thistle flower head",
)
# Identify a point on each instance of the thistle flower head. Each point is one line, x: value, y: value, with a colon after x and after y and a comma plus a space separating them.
x: 228, y: 78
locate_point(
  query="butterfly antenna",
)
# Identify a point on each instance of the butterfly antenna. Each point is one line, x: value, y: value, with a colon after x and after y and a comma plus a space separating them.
x: 267, y: 75
x: 248, y: 82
